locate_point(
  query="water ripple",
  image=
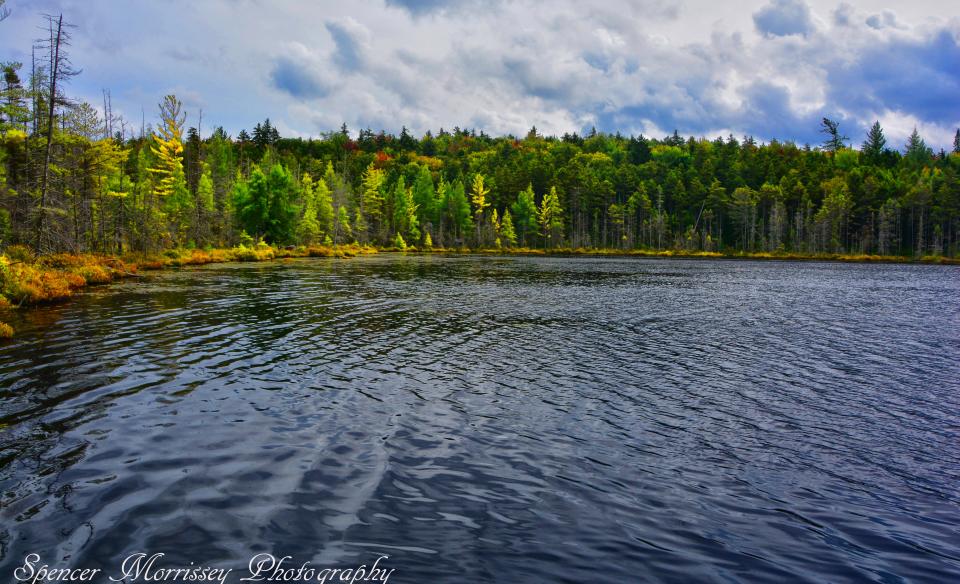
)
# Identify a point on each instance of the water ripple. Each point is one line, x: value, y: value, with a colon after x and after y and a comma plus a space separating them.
x: 493, y: 419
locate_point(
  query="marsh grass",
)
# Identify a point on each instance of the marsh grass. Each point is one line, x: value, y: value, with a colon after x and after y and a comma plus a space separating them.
x: 27, y: 280
x: 672, y: 253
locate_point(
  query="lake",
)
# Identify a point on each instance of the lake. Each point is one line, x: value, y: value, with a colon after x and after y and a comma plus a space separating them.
x: 495, y: 419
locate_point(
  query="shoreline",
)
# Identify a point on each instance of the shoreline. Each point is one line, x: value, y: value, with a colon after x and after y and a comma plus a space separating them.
x: 27, y: 281
x: 675, y: 254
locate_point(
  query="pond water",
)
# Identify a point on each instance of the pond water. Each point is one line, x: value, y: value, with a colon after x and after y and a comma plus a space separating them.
x: 494, y: 419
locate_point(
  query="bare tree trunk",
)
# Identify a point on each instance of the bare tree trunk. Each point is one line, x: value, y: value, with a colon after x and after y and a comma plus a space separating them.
x: 54, y: 66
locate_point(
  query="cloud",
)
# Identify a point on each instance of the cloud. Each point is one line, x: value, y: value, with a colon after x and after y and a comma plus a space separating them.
x: 917, y: 76
x: 770, y: 68
x: 423, y: 7
x: 843, y: 15
x: 350, y: 38
x: 885, y: 19
x: 297, y: 78
x: 783, y: 18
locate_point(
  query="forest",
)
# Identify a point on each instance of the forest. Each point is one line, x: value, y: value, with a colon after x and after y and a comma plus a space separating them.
x: 75, y: 177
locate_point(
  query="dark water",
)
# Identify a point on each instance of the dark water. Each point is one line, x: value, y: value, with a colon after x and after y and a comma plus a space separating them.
x: 496, y: 420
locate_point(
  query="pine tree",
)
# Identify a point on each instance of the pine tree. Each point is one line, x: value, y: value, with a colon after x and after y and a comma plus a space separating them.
x: 308, y: 229
x: 835, y: 140
x: 551, y: 216
x: 206, y: 206
x: 13, y: 109
x: 507, y: 231
x: 344, y: 231
x: 265, y: 207
x: 875, y: 143
x: 404, y: 211
x: 324, y: 204
x: 917, y: 150
x: 478, y: 196
x: 167, y: 147
x: 458, y: 209
x: 956, y: 142
x: 371, y: 197
x: 423, y: 196
x: 170, y: 184
x: 525, y: 211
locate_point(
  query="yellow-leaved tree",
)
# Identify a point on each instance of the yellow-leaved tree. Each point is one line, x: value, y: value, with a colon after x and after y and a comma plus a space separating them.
x: 169, y: 185
x: 478, y: 195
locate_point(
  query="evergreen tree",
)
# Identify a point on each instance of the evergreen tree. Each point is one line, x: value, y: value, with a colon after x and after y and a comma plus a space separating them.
x: 14, y: 112
x: 308, y: 229
x: 458, y: 209
x: 507, y: 232
x: 404, y: 211
x: 170, y: 184
x: 371, y: 197
x: 265, y: 205
x: 835, y: 140
x: 551, y: 217
x: 478, y: 196
x: 423, y: 197
x: 917, y: 151
x: 324, y: 207
x: 875, y: 143
x: 744, y: 209
x: 525, y: 211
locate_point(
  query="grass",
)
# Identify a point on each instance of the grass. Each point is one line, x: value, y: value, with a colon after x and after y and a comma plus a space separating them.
x: 671, y: 253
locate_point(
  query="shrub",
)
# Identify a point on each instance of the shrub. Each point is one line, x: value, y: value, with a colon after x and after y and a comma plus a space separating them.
x: 94, y: 274
x: 20, y: 253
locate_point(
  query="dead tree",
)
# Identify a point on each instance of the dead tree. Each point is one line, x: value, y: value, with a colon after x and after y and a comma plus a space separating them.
x: 59, y: 72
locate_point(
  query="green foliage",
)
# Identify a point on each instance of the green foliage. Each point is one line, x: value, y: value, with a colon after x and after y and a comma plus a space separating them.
x: 205, y: 193
x: 424, y: 197
x: 917, y: 152
x: 459, y: 188
x: 458, y: 209
x: 846, y: 159
x: 344, y: 231
x: 875, y: 144
x: 265, y: 204
x: 550, y: 216
x: 507, y: 232
x: 308, y: 229
x: 371, y: 195
x: 404, y: 211
x: 525, y: 211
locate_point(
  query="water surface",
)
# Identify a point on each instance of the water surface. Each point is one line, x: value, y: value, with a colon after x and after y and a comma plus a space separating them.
x: 496, y: 420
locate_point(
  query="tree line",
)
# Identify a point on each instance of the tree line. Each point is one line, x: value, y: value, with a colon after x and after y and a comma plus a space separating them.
x: 75, y: 177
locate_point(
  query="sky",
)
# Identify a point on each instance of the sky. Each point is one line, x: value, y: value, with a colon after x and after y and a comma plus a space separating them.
x: 765, y: 68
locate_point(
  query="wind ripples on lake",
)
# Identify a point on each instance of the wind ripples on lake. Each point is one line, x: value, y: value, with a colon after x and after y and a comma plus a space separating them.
x: 496, y: 419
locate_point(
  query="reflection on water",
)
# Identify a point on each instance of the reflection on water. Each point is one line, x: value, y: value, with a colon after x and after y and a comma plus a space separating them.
x: 496, y: 420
